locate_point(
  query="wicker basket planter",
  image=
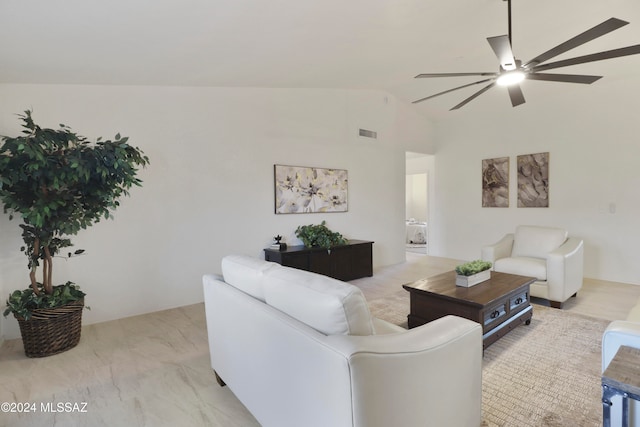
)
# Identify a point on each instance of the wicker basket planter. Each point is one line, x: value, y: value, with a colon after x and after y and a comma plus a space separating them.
x: 51, y: 330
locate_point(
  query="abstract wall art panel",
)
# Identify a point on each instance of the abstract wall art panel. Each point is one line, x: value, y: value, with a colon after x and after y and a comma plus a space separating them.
x: 300, y: 189
x: 533, y: 180
x: 495, y: 183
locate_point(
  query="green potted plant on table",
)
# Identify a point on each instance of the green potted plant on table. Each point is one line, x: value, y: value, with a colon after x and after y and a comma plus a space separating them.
x: 58, y: 182
x: 319, y: 235
x: 473, y: 272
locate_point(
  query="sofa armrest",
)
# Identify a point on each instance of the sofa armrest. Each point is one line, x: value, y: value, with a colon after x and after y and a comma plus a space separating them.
x: 565, y: 269
x: 432, y: 372
x: 619, y: 332
x: 500, y: 249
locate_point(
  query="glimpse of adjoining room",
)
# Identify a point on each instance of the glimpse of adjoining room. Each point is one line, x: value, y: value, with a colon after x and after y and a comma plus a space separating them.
x: 417, y: 202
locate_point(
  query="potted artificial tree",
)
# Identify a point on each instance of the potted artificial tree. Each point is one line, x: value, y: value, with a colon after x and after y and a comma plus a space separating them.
x: 58, y: 182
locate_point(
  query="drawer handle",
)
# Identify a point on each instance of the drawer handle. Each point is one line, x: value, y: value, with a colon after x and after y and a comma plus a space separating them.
x: 495, y: 314
x: 519, y: 300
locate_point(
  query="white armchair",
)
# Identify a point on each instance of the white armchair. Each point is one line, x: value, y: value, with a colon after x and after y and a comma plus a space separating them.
x: 547, y: 254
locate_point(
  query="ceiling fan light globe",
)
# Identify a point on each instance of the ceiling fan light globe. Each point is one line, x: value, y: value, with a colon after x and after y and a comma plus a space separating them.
x: 510, y: 78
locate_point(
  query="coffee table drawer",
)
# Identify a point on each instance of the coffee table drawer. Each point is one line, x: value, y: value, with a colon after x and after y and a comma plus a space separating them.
x: 495, y: 314
x: 518, y: 301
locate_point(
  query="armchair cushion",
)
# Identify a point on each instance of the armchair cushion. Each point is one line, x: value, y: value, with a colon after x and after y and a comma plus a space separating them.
x: 537, y: 242
x: 523, y: 266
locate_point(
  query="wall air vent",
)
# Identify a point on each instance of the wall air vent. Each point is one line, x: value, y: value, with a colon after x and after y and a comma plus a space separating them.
x: 368, y: 133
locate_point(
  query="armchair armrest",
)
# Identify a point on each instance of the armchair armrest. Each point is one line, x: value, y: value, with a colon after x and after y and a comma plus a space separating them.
x: 432, y: 372
x: 500, y: 249
x: 565, y: 269
x: 570, y: 248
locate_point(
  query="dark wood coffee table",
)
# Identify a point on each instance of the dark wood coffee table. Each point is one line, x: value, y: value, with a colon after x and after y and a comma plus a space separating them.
x: 498, y: 304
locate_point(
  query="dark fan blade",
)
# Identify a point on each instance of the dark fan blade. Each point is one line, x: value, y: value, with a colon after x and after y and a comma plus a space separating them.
x: 608, y: 54
x: 474, y: 96
x: 515, y: 93
x: 422, y: 76
x: 565, y: 78
x: 502, y: 48
x: 451, y: 90
x: 593, y: 33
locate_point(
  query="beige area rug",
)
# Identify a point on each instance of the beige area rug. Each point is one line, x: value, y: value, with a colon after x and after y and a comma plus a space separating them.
x: 543, y: 374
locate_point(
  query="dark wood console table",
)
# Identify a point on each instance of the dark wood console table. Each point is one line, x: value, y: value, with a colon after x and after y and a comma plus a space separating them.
x: 348, y: 262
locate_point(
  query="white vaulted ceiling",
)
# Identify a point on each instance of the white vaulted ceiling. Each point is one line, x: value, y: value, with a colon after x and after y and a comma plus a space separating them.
x: 353, y: 44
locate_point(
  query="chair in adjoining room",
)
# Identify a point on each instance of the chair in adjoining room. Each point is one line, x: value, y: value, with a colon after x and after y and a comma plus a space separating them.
x: 546, y: 253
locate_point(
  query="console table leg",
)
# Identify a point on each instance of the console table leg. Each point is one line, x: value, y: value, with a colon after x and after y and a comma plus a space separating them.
x: 607, y: 394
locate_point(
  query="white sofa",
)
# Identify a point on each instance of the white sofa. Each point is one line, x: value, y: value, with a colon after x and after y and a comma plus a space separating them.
x: 301, y: 349
x: 546, y: 253
x: 618, y: 333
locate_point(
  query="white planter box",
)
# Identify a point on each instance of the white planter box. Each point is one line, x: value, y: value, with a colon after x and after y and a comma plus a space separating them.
x: 468, y: 281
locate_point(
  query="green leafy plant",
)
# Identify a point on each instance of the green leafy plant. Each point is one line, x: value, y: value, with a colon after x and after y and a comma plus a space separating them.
x: 472, y: 267
x: 59, y: 183
x: 319, y: 235
x: 23, y: 302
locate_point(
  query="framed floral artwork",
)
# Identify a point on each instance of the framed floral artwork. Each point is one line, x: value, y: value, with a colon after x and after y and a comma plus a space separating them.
x: 301, y: 189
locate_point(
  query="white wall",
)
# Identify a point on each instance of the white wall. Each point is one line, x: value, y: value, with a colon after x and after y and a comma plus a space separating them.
x: 416, y: 197
x: 209, y: 189
x: 594, y: 154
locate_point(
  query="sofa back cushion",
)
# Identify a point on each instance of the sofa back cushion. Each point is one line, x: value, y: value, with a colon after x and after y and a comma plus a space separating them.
x: 247, y: 273
x: 537, y: 242
x: 327, y: 305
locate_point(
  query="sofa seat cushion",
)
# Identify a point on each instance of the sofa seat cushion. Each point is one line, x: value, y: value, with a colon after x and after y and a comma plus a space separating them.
x: 523, y: 266
x: 247, y: 273
x: 327, y: 305
x: 537, y: 242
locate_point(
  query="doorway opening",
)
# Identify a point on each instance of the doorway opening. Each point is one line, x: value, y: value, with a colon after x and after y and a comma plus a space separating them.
x: 418, y: 167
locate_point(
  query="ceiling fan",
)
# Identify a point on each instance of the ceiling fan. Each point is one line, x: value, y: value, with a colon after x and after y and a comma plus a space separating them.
x: 512, y: 71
